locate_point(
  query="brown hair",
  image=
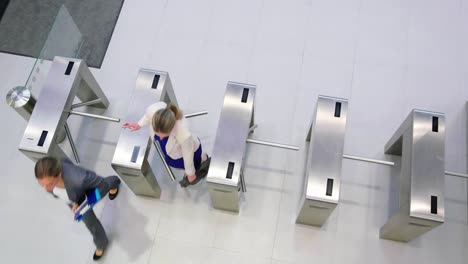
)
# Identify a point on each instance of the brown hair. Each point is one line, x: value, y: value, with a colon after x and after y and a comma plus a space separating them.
x: 47, y: 167
x: 164, y: 119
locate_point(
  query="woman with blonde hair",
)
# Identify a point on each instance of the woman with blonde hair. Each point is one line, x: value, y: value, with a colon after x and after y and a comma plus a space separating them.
x: 180, y: 148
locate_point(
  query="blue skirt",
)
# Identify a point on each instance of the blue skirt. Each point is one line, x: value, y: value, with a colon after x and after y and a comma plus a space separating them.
x: 178, y: 163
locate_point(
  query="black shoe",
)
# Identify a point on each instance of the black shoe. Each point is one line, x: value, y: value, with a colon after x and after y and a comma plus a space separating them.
x: 96, y: 257
x: 112, y: 196
x: 197, y: 179
x: 202, y: 171
x: 184, y: 182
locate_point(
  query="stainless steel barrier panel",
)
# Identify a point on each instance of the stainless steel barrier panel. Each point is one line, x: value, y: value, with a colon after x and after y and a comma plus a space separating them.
x: 225, y: 174
x: 66, y: 79
x: 324, y: 157
x: 133, y: 154
x: 420, y: 141
x: 22, y: 101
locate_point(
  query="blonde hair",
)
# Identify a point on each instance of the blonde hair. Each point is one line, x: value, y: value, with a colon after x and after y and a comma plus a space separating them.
x: 164, y: 119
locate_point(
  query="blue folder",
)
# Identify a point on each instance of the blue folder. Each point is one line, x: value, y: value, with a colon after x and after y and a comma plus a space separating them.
x: 92, y: 197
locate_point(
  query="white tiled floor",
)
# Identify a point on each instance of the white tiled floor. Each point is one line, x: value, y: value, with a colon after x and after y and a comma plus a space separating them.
x: 386, y: 56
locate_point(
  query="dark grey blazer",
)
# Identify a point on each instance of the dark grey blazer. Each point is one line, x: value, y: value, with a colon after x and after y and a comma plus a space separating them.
x: 78, y: 180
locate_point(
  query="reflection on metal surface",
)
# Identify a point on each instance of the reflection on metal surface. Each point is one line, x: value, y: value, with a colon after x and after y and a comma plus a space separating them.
x: 22, y: 101
x: 391, y: 163
x: 106, y: 118
x: 72, y: 143
x: 271, y: 144
x: 324, y: 158
x: 92, y: 102
x: 161, y: 156
x: 196, y: 114
x: 456, y: 174
x: 66, y: 79
x: 420, y: 140
x: 133, y: 152
x: 252, y: 128
x: 383, y: 162
x: 225, y: 174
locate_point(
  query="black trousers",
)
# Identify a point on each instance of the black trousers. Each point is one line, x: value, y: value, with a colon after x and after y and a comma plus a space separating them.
x: 92, y: 222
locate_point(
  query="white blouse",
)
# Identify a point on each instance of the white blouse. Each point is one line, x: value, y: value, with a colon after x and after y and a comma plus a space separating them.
x: 180, y: 144
x: 62, y: 194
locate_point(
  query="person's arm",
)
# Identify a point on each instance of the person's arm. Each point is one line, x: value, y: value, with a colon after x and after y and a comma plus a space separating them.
x: 92, y: 181
x: 82, y: 180
x: 184, y: 138
x: 187, y: 154
x: 144, y: 121
x: 146, y: 118
x: 89, y: 179
x: 74, y: 207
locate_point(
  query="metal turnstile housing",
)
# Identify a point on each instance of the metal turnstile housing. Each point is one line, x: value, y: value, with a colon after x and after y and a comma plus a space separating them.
x: 324, y: 158
x: 133, y: 153
x: 66, y: 79
x: 225, y: 174
x: 420, y: 141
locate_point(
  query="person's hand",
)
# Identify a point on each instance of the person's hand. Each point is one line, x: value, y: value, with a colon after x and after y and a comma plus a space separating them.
x: 191, y: 178
x: 132, y: 126
x: 74, y: 207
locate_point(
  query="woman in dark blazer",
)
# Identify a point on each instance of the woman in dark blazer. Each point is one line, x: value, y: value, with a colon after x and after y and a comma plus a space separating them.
x: 70, y: 182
